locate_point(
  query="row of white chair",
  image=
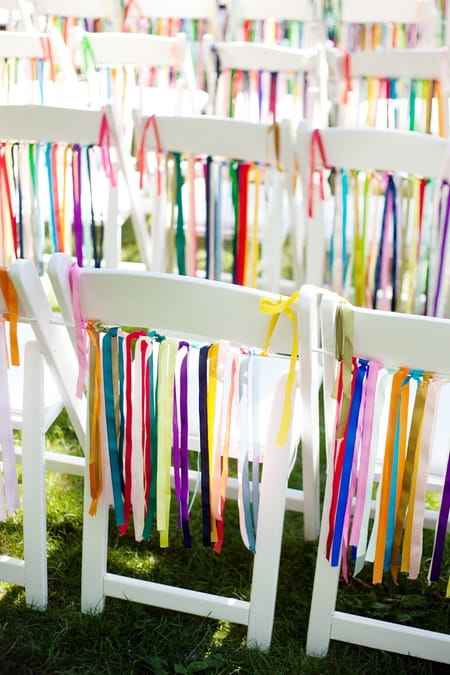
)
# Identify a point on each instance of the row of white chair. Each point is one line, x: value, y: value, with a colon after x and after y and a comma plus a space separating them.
x: 398, y: 88
x: 229, y: 17
x: 121, y: 297
x: 291, y: 162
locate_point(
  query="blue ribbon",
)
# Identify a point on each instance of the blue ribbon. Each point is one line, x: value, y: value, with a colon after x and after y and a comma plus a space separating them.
x: 349, y: 449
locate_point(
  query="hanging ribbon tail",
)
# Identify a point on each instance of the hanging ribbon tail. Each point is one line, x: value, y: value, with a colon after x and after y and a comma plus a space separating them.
x: 130, y: 5
x: 149, y: 122
x: 316, y: 142
x: 274, y: 130
x: 80, y: 327
x: 104, y: 142
x: 12, y: 303
x: 275, y: 308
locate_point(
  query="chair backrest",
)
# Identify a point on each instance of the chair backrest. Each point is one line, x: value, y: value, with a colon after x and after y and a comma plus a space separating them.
x: 423, y: 15
x: 329, y: 254
x: 153, y: 72
x: 218, y: 143
x: 194, y: 19
x: 366, y: 12
x: 48, y: 127
x: 387, y: 349
x: 107, y: 10
x: 123, y: 298
x: 262, y: 21
x: 266, y: 82
x: 175, y: 9
x: 50, y: 83
x: 391, y: 87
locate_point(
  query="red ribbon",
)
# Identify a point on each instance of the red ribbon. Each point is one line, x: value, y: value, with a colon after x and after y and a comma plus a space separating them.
x: 316, y: 141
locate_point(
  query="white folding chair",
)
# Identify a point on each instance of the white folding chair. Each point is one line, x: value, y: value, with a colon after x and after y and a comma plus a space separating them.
x: 215, y: 142
x: 51, y: 83
x: 153, y: 73
x: 180, y: 311
x: 109, y: 12
x: 265, y: 15
x: 194, y: 19
x: 367, y: 151
x: 390, y: 343
x: 70, y: 127
x: 264, y: 82
x: 203, y: 11
x: 396, y: 88
x: 38, y: 376
x: 423, y: 15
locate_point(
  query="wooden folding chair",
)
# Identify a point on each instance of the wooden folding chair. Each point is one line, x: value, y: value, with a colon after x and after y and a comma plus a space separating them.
x: 385, y: 348
x: 266, y: 82
x: 173, y: 10
x: 266, y: 21
x: 206, y: 204
x: 150, y: 72
x: 38, y: 375
x: 194, y: 19
x: 180, y: 311
x: 368, y: 17
x: 107, y: 12
x: 47, y: 127
x: 390, y: 66
x: 331, y: 214
x: 394, y: 88
x: 39, y: 66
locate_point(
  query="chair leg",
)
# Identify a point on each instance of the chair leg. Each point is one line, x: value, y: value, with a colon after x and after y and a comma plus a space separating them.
x: 325, y: 587
x: 268, y: 540
x: 33, y: 480
x: 309, y: 395
x: 94, y: 552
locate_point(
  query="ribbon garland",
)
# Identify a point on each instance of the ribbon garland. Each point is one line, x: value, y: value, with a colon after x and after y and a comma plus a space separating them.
x: 140, y: 382
x: 406, y: 440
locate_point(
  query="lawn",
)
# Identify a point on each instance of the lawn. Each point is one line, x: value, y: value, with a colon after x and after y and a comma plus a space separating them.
x: 131, y: 638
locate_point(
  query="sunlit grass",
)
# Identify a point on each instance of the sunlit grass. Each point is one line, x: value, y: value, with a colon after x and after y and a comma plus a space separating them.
x: 133, y: 638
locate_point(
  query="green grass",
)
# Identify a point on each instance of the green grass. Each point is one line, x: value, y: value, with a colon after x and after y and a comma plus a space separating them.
x: 131, y: 638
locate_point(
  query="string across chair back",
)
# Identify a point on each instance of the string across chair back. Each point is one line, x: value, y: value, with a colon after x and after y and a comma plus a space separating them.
x: 178, y: 350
